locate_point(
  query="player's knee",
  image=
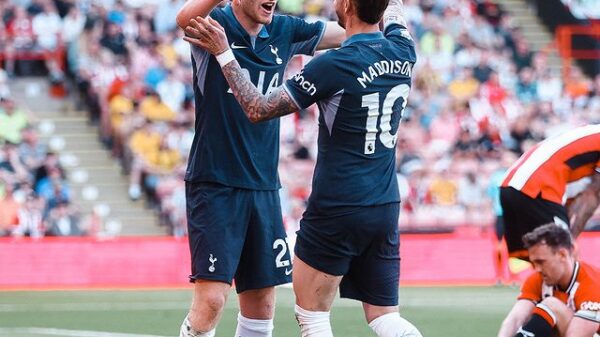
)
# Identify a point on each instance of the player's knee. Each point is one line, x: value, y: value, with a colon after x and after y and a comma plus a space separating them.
x: 206, y: 310
x: 392, y: 325
x: 214, y: 303
x: 562, y: 314
x: 313, y: 323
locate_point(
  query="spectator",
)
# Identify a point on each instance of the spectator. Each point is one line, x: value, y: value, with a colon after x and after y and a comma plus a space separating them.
x: 9, y: 211
x: 30, y: 219
x: 12, y: 121
x: 63, y: 221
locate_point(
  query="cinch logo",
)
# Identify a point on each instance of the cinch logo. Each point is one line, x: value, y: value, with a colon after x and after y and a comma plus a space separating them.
x: 591, y: 306
x: 304, y: 84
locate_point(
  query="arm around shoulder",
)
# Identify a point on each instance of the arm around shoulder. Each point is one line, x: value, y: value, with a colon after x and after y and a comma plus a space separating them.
x: 193, y: 9
x: 333, y: 36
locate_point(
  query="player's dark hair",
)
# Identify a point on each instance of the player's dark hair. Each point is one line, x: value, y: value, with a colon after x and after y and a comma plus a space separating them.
x: 370, y: 11
x: 551, y: 235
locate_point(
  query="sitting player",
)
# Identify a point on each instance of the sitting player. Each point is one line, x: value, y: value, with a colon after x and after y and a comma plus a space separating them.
x: 562, y: 298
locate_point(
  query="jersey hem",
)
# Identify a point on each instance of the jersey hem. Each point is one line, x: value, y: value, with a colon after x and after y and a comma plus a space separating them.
x: 234, y: 185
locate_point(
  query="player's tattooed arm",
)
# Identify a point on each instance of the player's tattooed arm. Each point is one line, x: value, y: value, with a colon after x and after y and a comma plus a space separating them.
x: 258, y: 107
x: 208, y: 34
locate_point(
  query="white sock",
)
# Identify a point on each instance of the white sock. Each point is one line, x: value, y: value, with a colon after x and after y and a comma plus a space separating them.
x: 392, y: 325
x: 187, y: 330
x: 313, y: 323
x: 248, y: 327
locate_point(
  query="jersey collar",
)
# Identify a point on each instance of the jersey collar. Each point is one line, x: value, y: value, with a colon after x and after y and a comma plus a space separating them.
x: 263, y: 34
x: 573, y: 278
x: 362, y: 37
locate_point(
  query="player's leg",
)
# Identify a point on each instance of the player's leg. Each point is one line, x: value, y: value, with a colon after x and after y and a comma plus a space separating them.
x: 217, y: 224
x: 550, y: 317
x: 315, y: 292
x: 499, y: 251
x: 387, y: 322
x: 257, y: 309
x: 265, y: 263
x: 374, y: 275
x: 207, y: 306
x: 324, y: 249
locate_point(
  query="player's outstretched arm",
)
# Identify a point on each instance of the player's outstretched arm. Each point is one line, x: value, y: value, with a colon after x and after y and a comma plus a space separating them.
x: 208, y: 34
x: 394, y: 13
x: 518, y: 315
x: 194, y: 8
x: 584, y: 206
x: 333, y: 37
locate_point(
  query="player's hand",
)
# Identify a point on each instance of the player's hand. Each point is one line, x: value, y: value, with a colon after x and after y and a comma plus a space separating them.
x: 207, y: 34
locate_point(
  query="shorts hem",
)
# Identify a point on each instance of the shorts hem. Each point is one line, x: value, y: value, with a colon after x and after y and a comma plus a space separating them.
x: 209, y: 278
x: 266, y: 285
x: 371, y: 301
x: 320, y: 268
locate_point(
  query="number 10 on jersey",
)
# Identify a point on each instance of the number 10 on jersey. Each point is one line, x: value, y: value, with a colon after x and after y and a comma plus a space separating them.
x: 371, y: 102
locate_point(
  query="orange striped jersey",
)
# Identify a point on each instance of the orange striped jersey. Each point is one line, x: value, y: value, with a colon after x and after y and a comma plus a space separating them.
x: 582, y: 296
x: 559, y: 167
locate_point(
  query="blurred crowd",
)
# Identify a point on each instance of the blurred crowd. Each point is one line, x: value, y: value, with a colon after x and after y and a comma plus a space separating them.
x: 35, y: 195
x: 480, y: 97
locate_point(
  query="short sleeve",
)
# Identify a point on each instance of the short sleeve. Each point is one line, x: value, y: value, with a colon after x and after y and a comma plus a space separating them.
x: 310, y: 86
x: 587, y: 302
x: 400, y: 35
x: 218, y: 15
x: 305, y: 36
x: 532, y: 289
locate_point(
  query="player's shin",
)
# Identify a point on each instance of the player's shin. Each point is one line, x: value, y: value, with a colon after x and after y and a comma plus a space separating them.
x: 187, y: 330
x: 247, y: 327
x: 541, y: 323
x: 392, y: 325
x: 313, y: 323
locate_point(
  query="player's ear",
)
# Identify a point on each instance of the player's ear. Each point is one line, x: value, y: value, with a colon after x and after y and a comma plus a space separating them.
x: 348, y: 6
x: 564, y: 253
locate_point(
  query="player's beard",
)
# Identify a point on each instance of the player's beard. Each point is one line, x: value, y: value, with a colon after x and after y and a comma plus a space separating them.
x: 339, y: 11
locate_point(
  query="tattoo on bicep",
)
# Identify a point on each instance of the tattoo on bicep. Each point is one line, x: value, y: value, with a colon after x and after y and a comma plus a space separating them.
x: 257, y: 106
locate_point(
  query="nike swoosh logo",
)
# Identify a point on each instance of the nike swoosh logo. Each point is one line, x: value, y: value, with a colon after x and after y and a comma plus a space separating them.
x: 234, y: 46
x: 288, y: 272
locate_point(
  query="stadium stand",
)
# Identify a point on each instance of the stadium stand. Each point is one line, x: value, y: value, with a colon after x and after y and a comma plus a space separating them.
x: 485, y: 90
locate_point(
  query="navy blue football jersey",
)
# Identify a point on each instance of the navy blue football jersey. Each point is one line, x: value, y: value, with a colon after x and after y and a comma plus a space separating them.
x: 227, y: 148
x: 361, y: 90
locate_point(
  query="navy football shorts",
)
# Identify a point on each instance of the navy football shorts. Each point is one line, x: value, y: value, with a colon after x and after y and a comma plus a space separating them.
x: 237, y: 234
x: 362, y: 244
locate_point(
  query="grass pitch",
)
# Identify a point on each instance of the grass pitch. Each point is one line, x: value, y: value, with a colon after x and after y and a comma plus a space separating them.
x: 437, y: 312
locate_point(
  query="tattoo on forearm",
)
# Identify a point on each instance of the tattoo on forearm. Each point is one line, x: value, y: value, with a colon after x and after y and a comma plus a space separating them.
x: 258, y: 107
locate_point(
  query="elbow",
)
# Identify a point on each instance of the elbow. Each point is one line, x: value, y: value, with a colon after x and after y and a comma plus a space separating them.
x: 257, y: 116
x: 255, y: 119
x: 181, y: 21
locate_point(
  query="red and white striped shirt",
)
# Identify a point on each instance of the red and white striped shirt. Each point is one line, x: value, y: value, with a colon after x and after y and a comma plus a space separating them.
x: 557, y: 164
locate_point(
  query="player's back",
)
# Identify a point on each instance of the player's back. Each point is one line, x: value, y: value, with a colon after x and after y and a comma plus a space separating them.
x: 551, y: 165
x: 361, y: 93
